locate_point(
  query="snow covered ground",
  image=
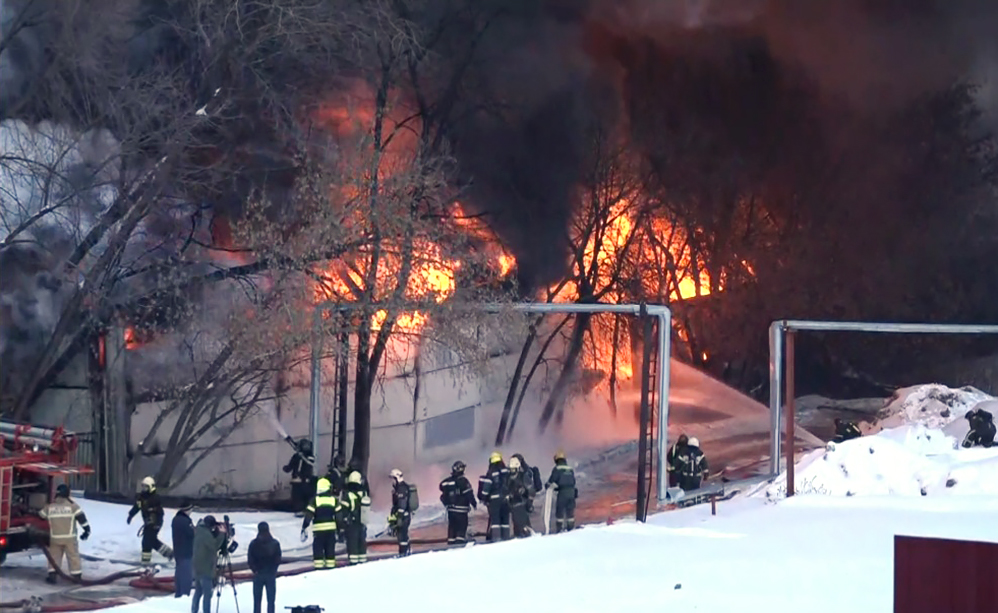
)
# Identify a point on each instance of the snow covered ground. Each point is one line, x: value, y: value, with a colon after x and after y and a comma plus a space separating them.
x: 761, y: 552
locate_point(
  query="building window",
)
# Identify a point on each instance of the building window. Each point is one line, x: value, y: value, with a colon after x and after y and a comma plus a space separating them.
x: 449, y: 428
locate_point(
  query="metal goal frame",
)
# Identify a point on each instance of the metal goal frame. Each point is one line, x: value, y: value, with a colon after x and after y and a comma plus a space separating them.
x: 781, y: 385
x: 664, y: 344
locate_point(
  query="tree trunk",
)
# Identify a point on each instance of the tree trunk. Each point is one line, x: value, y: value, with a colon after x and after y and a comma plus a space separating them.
x: 613, y: 365
x: 561, y: 385
x: 530, y: 374
x: 514, y: 384
x: 362, y: 400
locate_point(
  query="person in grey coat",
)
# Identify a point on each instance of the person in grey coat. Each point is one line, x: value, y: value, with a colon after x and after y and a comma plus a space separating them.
x: 209, y: 536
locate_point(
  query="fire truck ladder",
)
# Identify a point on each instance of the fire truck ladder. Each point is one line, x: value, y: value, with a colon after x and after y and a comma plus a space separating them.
x: 649, y: 400
x: 342, y: 378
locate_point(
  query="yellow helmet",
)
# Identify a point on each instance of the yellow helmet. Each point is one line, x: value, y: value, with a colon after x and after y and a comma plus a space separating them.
x: 323, y: 486
x: 495, y: 457
x: 514, y: 463
x: 559, y: 455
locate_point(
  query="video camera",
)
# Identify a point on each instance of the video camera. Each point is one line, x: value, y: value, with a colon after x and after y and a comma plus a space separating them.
x: 229, y: 544
x: 312, y: 608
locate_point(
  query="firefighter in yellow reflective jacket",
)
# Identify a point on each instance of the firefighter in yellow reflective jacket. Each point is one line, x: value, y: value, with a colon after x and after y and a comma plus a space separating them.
x: 322, y: 513
x: 355, y: 504
x: 63, y: 514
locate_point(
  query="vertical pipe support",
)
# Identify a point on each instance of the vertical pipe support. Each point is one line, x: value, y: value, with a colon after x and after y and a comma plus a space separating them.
x: 641, y: 506
x: 791, y: 418
x: 664, y: 362
x: 775, y: 391
x: 313, y: 400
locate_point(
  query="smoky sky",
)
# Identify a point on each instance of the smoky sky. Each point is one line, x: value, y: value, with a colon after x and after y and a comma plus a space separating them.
x: 545, y: 67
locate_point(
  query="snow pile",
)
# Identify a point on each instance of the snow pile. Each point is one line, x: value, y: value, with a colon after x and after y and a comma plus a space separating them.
x: 907, y: 461
x: 933, y: 405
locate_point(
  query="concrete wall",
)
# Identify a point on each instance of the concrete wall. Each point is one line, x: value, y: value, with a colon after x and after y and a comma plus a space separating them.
x: 455, y: 412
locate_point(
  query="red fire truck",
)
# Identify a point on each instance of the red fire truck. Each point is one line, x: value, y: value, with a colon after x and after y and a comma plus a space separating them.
x: 33, y: 461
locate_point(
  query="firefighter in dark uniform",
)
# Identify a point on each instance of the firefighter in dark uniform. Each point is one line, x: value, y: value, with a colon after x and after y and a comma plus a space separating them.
x: 401, y: 516
x: 336, y: 473
x: 151, y: 507
x: 982, y: 429
x: 493, y: 491
x: 458, y: 498
x: 354, y: 466
x: 355, y: 503
x: 845, y: 431
x: 302, y: 469
x: 322, y: 513
x: 672, y: 460
x: 533, y: 473
x: 563, y: 480
x: 692, y: 467
x: 521, y: 485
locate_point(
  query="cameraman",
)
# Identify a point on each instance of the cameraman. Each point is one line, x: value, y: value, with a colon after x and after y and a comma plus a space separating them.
x: 209, y: 538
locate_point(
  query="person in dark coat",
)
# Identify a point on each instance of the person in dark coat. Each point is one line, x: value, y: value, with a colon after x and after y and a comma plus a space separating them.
x: 263, y: 558
x: 672, y: 459
x: 493, y: 491
x: 183, y: 550
x: 982, y: 429
x: 520, y: 485
x: 151, y: 507
x: 302, y: 469
x: 354, y: 466
x: 563, y: 480
x: 845, y: 430
x: 209, y: 536
x: 692, y: 467
x: 458, y: 498
x: 401, y: 516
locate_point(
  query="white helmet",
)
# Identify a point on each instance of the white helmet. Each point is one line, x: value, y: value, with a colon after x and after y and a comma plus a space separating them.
x: 396, y: 474
x: 514, y: 463
x: 694, y: 442
x: 148, y: 484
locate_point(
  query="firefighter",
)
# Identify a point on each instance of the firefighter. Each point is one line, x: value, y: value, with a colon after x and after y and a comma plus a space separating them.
x: 355, y: 502
x: 520, y: 487
x: 563, y: 480
x: 151, y: 507
x: 324, y: 510
x: 354, y: 466
x: 302, y: 469
x: 63, y: 514
x: 982, y: 429
x: 672, y: 459
x: 458, y: 498
x: 493, y: 491
x: 336, y: 473
x: 692, y: 467
x: 532, y: 478
x: 845, y: 431
x: 401, y: 516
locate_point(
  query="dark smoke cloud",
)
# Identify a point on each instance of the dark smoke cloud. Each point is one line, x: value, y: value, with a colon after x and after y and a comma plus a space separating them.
x: 875, y: 54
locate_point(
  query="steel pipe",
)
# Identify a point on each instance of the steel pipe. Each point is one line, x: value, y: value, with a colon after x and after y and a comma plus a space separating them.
x: 662, y: 312
x: 886, y: 327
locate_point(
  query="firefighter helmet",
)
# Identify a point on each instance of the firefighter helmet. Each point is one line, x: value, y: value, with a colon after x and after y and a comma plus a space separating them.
x: 694, y: 442
x: 514, y: 463
x: 148, y: 484
x: 62, y: 490
x: 559, y: 455
x: 323, y: 486
x: 458, y: 467
x: 355, y: 477
x: 495, y: 457
x: 396, y: 474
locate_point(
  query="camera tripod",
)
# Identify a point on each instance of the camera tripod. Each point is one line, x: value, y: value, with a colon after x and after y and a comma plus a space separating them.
x: 224, y: 563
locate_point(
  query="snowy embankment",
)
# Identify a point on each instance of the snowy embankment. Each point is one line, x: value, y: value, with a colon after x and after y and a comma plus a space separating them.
x: 919, y: 457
